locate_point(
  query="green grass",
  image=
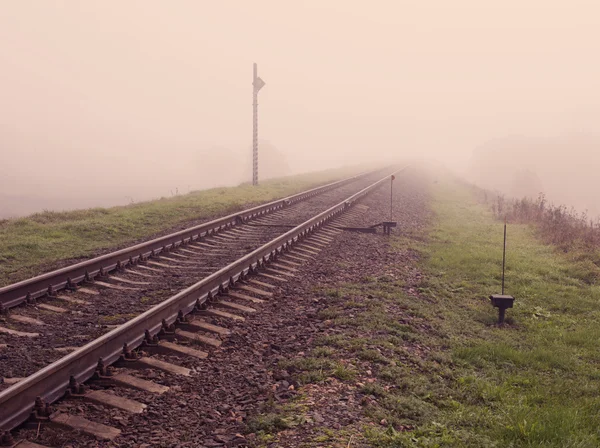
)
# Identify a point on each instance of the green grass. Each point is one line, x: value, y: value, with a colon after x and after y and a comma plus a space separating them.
x: 534, y: 382
x: 32, y: 244
x: 115, y: 319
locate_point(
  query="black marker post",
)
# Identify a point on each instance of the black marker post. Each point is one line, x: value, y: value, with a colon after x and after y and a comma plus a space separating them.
x: 502, y: 301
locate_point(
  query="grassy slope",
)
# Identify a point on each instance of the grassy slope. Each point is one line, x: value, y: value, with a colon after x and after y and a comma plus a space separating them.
x: 446, y: 375
x: 31, y: 244
x: 534, y: 383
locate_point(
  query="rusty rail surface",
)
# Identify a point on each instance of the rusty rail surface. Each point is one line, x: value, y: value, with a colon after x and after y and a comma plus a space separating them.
x: 51, y: 382
x: 49, y: 283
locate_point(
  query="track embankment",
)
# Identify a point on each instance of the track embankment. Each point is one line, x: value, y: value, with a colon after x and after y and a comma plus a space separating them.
x: 224, y: 299
x: 245, y: 392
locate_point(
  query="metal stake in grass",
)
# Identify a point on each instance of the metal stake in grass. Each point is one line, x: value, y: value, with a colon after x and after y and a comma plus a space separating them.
x: 387, y: 225
x: 392, y: 198
x: 504, y: 256
x: 501, y: 301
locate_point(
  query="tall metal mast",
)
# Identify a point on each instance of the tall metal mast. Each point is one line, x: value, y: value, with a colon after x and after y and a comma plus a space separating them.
x: 257, y: 84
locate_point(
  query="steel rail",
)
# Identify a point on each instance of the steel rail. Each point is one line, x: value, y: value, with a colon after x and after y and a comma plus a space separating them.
x: 50, y: 282
x: 51, y: 382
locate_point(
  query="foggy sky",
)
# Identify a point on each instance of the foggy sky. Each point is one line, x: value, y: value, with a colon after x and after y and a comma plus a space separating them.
x: 130, y: 97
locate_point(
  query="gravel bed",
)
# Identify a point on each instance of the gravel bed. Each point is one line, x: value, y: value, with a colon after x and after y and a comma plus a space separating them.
x: 213, y: 406
x: 339, y: 405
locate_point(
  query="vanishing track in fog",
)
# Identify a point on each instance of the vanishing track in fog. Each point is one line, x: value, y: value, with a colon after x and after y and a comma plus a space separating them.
x: 41, y: 331
x: 141, y: 302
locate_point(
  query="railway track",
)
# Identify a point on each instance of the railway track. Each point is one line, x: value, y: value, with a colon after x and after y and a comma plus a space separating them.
x: 42, y: 330
x: 241, y: 258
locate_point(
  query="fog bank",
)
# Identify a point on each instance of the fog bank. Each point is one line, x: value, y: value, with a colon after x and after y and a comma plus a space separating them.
x: 104, y: 101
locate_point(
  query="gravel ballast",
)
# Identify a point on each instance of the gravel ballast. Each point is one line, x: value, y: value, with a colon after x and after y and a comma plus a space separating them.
x: 220, y: 404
